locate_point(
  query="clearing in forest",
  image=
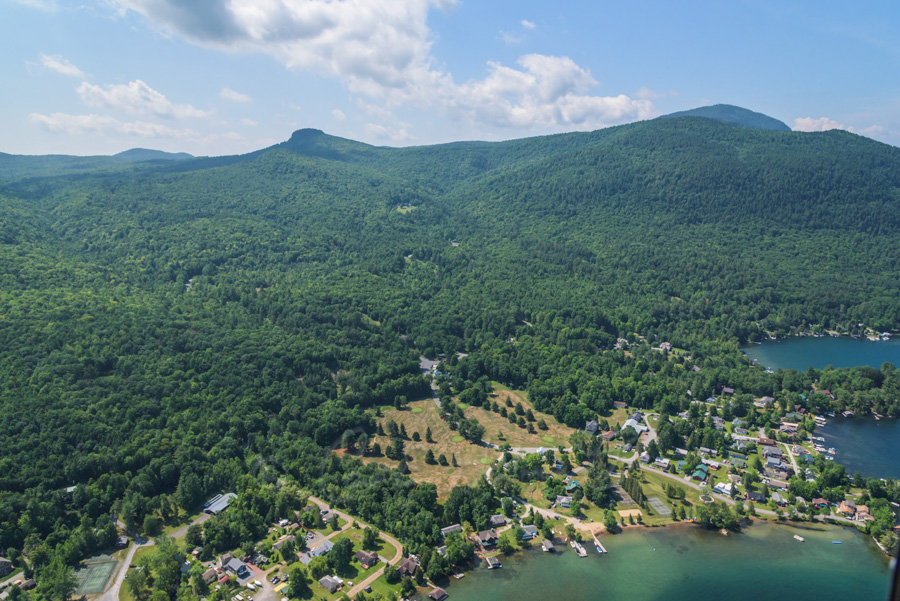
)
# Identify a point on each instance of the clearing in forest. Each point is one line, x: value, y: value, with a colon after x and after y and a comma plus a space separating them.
x: 473, y: 460
x: 556, y: 434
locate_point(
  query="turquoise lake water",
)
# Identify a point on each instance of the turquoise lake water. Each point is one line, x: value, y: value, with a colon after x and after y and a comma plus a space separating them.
x: 690, y: 564
x: 801, y: 353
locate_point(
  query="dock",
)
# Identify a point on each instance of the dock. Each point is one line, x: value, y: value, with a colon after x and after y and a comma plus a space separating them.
x: 600, y: 548
x: 578, y: 548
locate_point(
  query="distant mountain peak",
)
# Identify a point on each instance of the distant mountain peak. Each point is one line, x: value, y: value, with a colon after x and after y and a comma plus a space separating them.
x: 728, y: 113
x: 146, y: 154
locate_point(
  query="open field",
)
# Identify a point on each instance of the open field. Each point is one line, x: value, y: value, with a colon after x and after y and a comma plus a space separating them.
x: 472, y: 459
x: 555, y: 435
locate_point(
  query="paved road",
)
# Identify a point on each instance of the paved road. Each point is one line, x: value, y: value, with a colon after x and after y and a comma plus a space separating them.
x: 112, y: 593
x: 360, y: 586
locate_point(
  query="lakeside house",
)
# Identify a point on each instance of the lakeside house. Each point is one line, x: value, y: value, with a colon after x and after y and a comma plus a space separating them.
x: 862, y: 514
x: 438, y: 594
x: 488, y: 538
x: 498, y: 521
x: 847, y: 509
x: 547, y: 546
x: 451, y: 529
x: 530, y: 532
x: 329, y: 584
x: 407, y: 567
x: 219, y: 503
x: 366, y: 558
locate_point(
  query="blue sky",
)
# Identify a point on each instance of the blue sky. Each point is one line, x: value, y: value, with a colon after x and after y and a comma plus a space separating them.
x: 219, y: 77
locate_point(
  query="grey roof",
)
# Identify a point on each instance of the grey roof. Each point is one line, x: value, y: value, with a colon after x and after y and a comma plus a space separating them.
x: 329, y: 584
x: 451, y: 529
x: 323, y: 548
x: 221, y: 504
x: 530, y: 529
x: 235, y: 565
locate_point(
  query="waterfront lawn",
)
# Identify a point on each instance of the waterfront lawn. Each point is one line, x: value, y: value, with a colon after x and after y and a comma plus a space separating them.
x: 445, y: 478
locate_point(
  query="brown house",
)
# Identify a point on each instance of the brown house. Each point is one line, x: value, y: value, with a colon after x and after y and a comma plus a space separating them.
x: 438, y: 594
x: 407, y: 567
x: 488, y: 538
x: 367, y: 559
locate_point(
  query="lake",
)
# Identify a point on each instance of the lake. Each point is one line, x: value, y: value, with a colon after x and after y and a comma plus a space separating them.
x: 865, y: 445
x: 802, y: 352
x: 686, y: 563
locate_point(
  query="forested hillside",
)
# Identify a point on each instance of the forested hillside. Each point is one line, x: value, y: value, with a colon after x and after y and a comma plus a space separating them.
x: 173, y: 327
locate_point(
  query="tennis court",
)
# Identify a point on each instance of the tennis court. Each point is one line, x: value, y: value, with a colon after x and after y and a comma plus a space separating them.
x: 92, y: 577
x: 659, y: 507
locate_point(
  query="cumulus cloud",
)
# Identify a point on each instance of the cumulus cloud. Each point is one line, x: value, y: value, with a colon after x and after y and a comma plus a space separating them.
x: 136, y: 97
x: 79, y: 124
x: 232, y: 96
x: 60, y: 65
x: 249, y: 122
x: 820, y: 124
x: 338, y: 115
x: 381, y: 50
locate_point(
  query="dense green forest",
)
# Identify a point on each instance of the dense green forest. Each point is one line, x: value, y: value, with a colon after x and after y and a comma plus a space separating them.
x: 171, y: 328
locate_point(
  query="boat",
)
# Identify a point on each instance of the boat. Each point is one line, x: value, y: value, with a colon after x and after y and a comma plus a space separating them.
x: 799, y: 538
x: 578, y: 548
x: 829, y: 458
x: 835, y: 542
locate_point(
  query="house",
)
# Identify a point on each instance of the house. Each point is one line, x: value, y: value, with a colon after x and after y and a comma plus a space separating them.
x: 6, y: 566
x: 819, y: 502
x: 530, y: 530
x: 718, y: 423
x: 741, y: 431
x: 737, y: 422
x: 442, y: 550
x: 724, y: 488
x: 284, y: 539
x: 776, y: 464
x: 209, y: 575
x: 451, y: 529
x: 772, y: 451
x: 324, y: 547
x: 366, y: 558
x: 487, y: 538
x: 734, y: 478
x: 680, y: 453
x: 695, y: 368
x: 738, y: 463
x: 779, y: 484
x: 498, y: 520
x: 766, y: 400
x: 637, y: 416
x: 608, y: 435
x: 329, y: 584
x: 684, y: 415
x: 572, y: 486
x: 662, y: 463
x: 407, y: 567
x: 631, y: 423
x: 705, y: 451
x: 223, y: 561
x: 591, y: 427
x: 328, y: 516
x: 121, y: 542
x: 701, y: 473
x: 645, y: 457
x: 28, y: 584
x: 756, y: 497
x: 862, y: 513
x: 726, y: 390
x: 766, y: 442
x: 781, y: 501
x: 237, y: 567
x: 563, y: 501
x: 305, y: 558
x: 547, y: 546
x: 710, y: 463
x: 219, y: 503
x: 847, y: 509
x: 438, y: 594
x: 620, y: 404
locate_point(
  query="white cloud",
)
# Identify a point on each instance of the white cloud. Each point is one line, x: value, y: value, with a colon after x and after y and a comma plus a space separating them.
x: 528, y: 24
x: 381, y: 50
x: 136, y: 97
x: 380, y: 131
x: 60, y: 65
x: 79, y: 124
x: 820, y: 124
x: 338, y: 115
x: 646, y: 93
x: 249, y: 122
x: 232, y: 96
